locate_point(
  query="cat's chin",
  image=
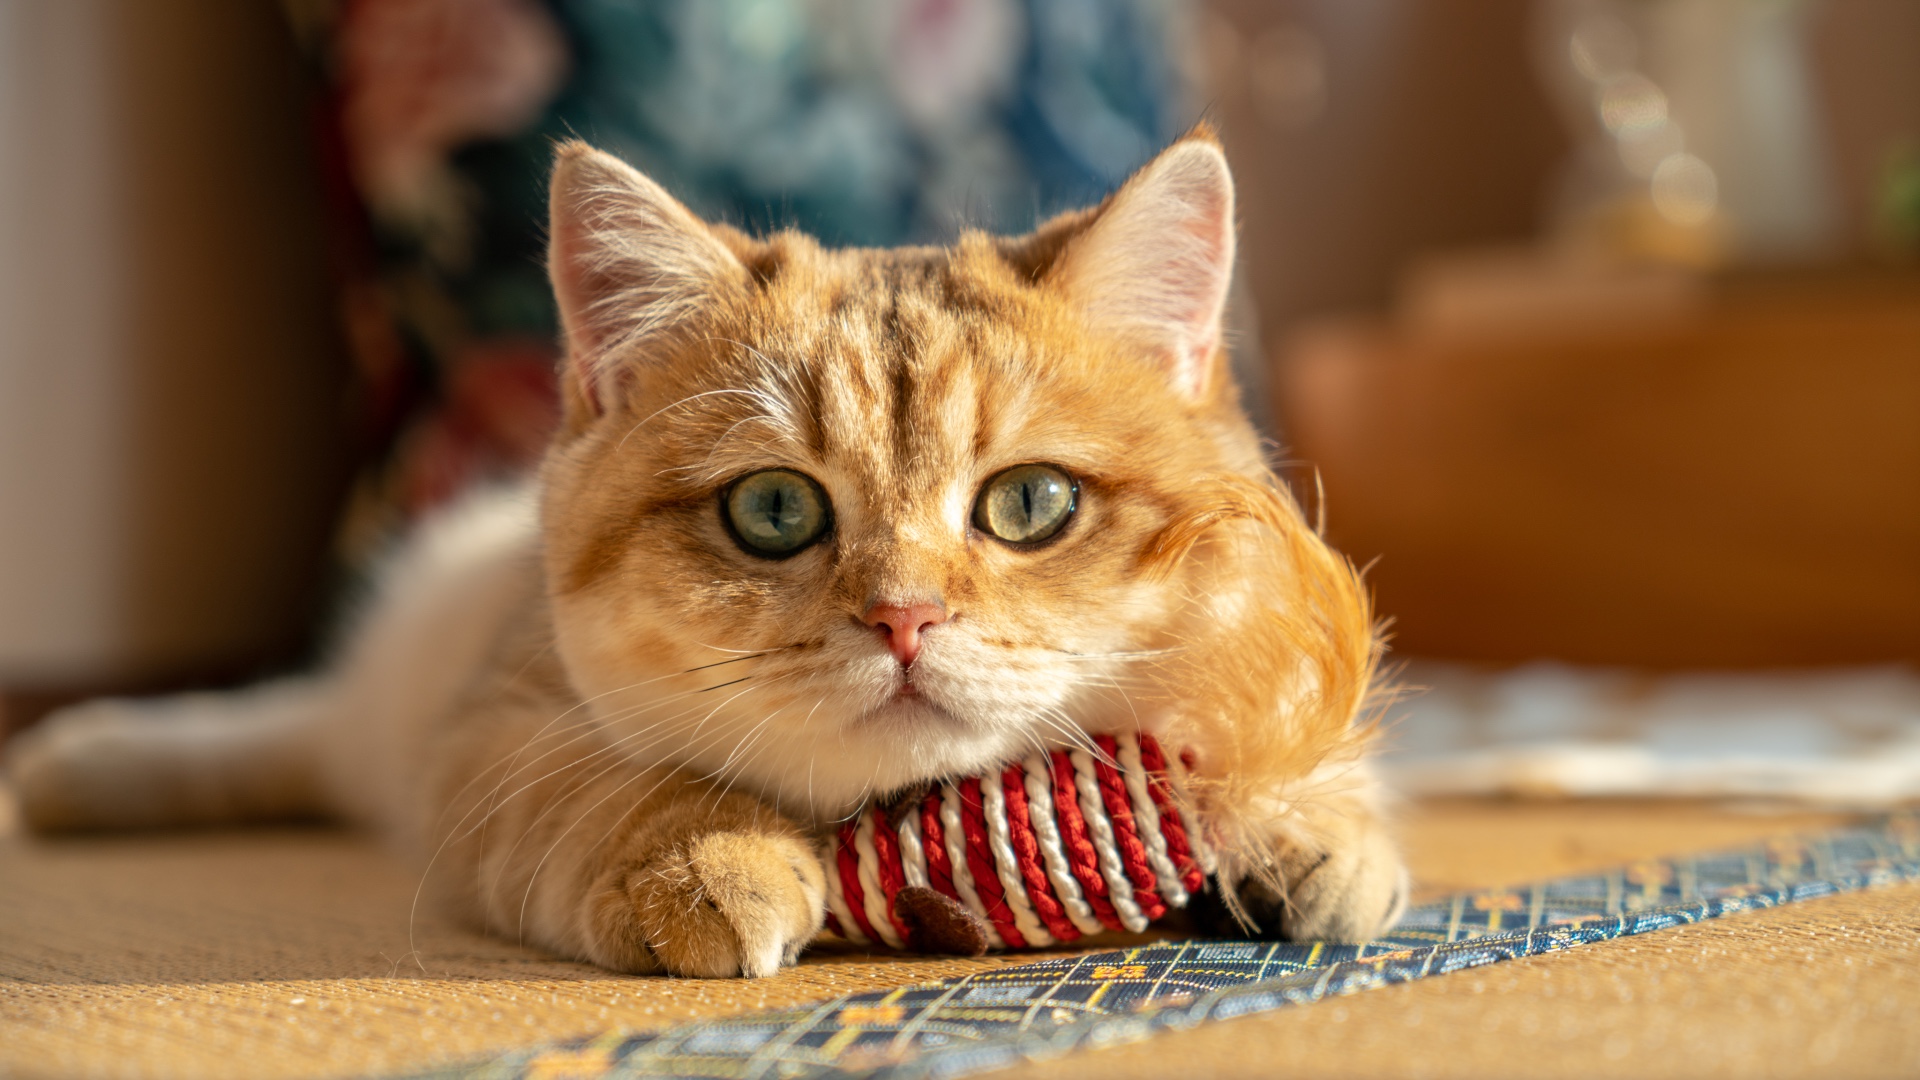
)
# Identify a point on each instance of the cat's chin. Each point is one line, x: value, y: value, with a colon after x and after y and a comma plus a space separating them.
x: 910, y: 712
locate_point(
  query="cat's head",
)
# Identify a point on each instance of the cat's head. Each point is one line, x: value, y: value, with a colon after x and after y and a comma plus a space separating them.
x: 831, y: 522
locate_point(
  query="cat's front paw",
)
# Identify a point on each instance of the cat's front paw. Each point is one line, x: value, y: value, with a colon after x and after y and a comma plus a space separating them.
x: 1351, y: 890
x: 718, y: 905
x: 1348, y: 883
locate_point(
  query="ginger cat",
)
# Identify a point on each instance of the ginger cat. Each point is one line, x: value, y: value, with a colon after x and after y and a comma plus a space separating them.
x: 817, y: 526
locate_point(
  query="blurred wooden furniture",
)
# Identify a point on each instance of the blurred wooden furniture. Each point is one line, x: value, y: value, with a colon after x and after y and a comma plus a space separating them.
x: 174, y: 437
x: 1729, y: 479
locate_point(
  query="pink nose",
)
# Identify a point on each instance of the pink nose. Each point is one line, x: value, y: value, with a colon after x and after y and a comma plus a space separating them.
x: 904, y: 625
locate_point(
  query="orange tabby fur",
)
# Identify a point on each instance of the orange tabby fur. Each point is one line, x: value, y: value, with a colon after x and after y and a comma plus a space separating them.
x: 637, y: 757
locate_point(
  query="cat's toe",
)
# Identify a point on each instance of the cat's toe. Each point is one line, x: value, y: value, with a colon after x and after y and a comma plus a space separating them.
x: 720, y: 905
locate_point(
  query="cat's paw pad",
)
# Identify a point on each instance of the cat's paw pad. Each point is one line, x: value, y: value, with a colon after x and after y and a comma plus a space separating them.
x: 720, y: 905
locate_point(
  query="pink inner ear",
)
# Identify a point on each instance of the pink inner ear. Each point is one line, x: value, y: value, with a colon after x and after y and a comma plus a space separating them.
x: 1212, y: 231
x: 572, y: 287
x: 1156, y: 264
x: 627, y: 262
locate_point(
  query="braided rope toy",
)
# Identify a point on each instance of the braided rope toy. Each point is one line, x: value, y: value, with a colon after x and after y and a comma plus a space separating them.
x: 1050, y: 849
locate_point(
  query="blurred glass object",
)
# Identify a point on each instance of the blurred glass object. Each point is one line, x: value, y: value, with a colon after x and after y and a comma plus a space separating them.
x: 1899, y: 203
x: 1698, y: 137
x: 1686, y: 190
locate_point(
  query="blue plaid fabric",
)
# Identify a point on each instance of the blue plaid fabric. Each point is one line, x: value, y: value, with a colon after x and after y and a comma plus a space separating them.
x: 1032, y: 1011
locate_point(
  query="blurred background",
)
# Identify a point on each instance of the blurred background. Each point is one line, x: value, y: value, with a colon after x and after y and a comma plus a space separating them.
x: 1593, y: 326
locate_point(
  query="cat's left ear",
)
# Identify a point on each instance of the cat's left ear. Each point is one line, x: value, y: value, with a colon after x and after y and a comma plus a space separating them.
x: 630, y: 267
x: 1154, y: 263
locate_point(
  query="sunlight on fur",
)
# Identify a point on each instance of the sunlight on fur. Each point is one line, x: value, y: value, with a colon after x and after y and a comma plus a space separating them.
x: 615, y: 711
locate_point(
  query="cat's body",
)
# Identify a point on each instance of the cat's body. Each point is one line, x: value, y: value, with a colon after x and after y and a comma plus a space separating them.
x: 818, y: 526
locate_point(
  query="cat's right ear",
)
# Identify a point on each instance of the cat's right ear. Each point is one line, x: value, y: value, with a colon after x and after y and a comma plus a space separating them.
x: 630, y: 266
x: 1153, y: 262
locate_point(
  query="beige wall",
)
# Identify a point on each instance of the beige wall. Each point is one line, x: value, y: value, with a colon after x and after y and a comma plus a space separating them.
x: 170, y: 393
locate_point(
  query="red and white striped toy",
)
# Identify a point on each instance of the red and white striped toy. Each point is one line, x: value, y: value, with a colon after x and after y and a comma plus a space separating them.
x: 1046, y: 851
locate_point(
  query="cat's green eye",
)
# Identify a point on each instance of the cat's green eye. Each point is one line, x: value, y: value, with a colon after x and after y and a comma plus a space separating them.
x: 1026, y: 504
x: 776, y: 512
